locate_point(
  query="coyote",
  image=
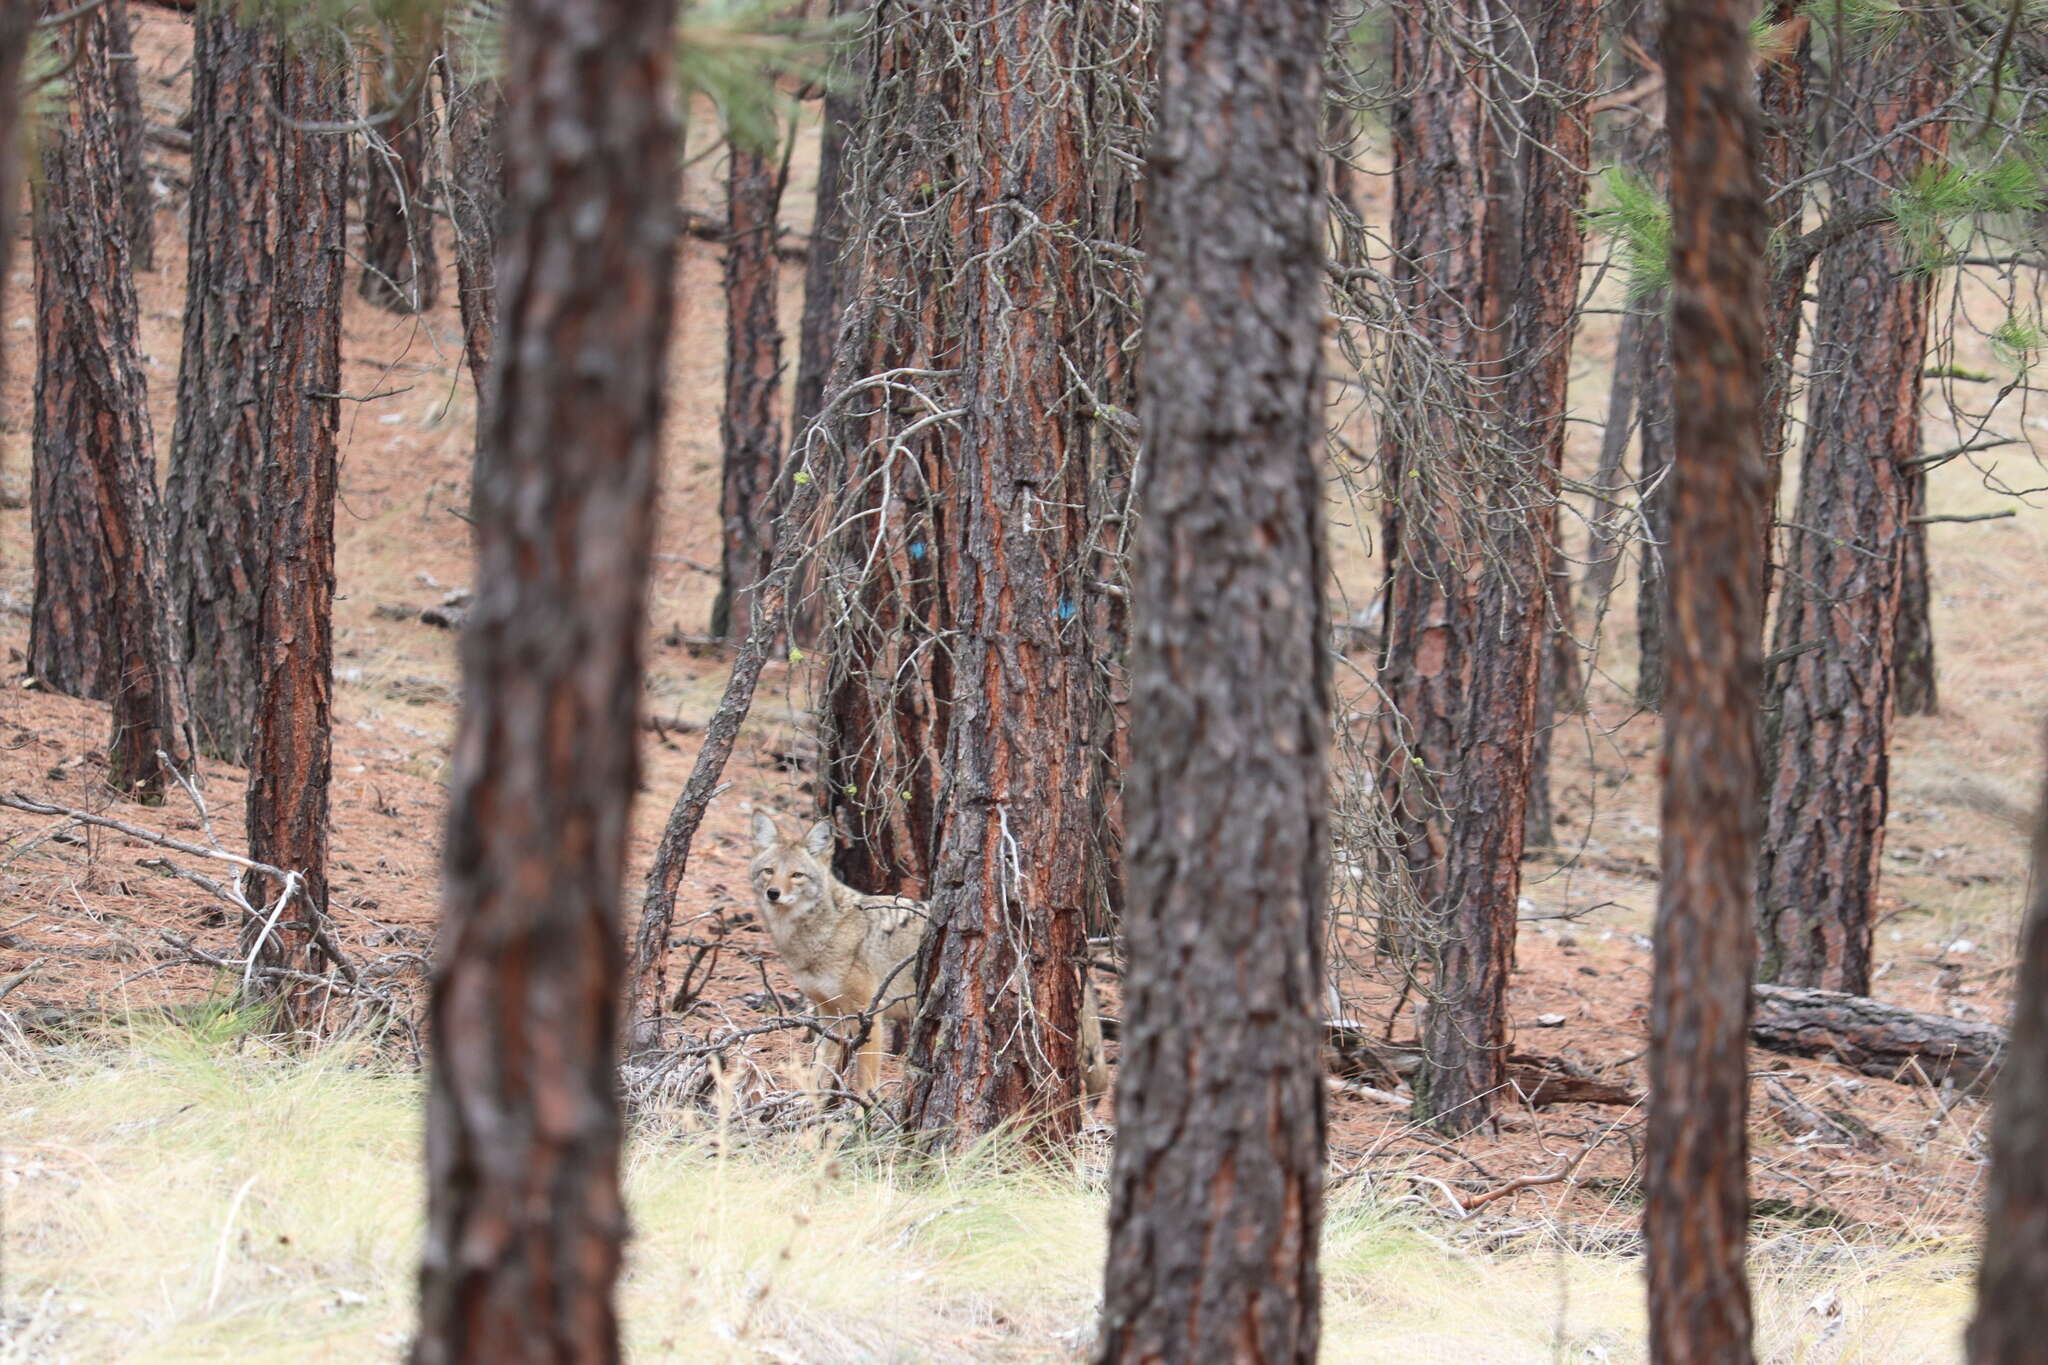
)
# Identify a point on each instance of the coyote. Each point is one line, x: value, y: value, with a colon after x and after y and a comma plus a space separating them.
x: 842, y: 945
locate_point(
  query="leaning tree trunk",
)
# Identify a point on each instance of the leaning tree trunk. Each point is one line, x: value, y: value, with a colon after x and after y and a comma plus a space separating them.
x: 1000, y: 974
x: 1467, y: 563
x: 750, y: 423
x: 2012, y: 1279
x: 214, y: 489
x: 138, y: 201
x: 1831, y: 707
x: 100, y: 623
x: 524, y: 1221
x: 401, y: 273
x: 291, y: 756
x: 1561, y: 40
x: 1696, y: 1211
x: 1216, y: 1189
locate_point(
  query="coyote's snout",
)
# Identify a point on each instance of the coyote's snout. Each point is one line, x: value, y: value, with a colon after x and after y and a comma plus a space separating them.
x: 841, y: 946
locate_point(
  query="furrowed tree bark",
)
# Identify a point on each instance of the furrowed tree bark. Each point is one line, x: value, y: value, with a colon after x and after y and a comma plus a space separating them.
x: 995, y: 1040
x: 1563, y: 44
x: 214, y: 489
x: 401, y: 271
x: 1783, y: 79
x: 2012, y: 1278
x: 1216, y: 1186
x: 750, y: 422
x: 99, y: 624
x: 524, y: 1220
x: 1466, y: 557
x: 1696, y: 1209
x: 138, y: 204
x: 290, y: 757
x: 1875, y: 1038
x: 1830, y: 709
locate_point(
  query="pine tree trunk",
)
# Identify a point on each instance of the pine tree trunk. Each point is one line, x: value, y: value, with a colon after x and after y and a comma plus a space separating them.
x: 1606, y: 537
x: 1467, y: 541
x: 818, y: 331
x: 290, y: 758
x: 1696, y: 1214
x: 476, y: 195
x: 2012, y: 1279
x: 1561, y: 39
x: 524, y: 1220
x: 138, y: 203
x: 750, y: 424
x: 100, y: 623
x: 17, y: 20
x: 1216, y: 1188
x: 401, y: 271
x: 995, y: 1040
x: 1782, y: 82
x: 214, y: 490
x: 1831, y: 707
x: 1918, y: 694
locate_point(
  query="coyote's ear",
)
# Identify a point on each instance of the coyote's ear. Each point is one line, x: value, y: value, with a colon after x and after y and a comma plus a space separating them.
x: 818, y: 843
x: 766, y: 834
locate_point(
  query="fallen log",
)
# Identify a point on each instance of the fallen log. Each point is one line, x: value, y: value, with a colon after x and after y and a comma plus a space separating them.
x: 1875, y: 1038
x: 1535, y: 1078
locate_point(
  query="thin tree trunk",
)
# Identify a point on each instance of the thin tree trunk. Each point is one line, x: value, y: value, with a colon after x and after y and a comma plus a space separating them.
x: 475, y: 196
x: 1216, y: 1187
x: 214, y: 490
x: 1782, y: 98
x: 1563, y: 44
x: 524, y: 1220
x: 1696, y: 1212
x: 17, y: 21
x: 401, y: 271
x: 1918, y: 694
x: 291, y: 756
x: 1831, y: 707
x: 1604, y: 541
x: 1000, y: 974
x: 750, y: 423
x: 1467, y: 541
x: 138, y: 202
x: 1644, y: 152
x: 818, y: 331
x: 100, y: 621
x: 2012, y: 1279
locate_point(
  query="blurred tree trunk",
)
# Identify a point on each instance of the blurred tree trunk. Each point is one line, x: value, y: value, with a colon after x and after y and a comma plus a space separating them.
x: 214, y: 490
x: 2012, y: 1279
x: 1644, y: 152
x: 401, y: 271
x: 17, y: 22
x: 524, y: 1220
x: 1216, y: 1190
x: 1560, y: 39
x: 100, y: 622
x: 290, y: 757
x: 1831, y: 707
x: 750, y: 423
x: 1000, y: 974
x: 1696, y: 1214
x: 138, y: 203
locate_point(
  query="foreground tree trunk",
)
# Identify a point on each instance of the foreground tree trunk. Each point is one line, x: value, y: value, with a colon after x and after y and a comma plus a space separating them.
x: 1831, y: 707
x: 2012, y: 1280
x: 750, y: 423
x: 1696, y: 1211
x: 1560, y: 39
x: 401, y: 272
x: 290, y: 757
x: 214, y: 489
x: 996, y: 1038
x: 1216, y: 1189
x: 524, y: 1222
x: 99, y: 625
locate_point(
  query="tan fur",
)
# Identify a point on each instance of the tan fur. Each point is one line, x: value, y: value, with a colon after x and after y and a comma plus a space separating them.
x: 841, y: 945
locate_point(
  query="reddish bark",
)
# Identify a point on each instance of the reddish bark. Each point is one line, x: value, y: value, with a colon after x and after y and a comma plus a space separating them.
x: 401, y: 272
x: 1696, y: 1210
x: 524, y: 1220
x: 1216, y: 1189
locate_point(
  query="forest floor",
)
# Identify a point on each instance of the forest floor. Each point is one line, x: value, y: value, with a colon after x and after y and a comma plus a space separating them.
x: 84, y: 924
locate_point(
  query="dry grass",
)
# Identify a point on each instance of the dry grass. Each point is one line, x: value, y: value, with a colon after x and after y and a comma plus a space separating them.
x: 189, y: 1196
